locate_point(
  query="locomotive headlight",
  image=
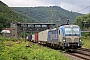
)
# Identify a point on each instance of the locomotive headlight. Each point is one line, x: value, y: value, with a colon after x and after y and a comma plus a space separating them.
x: 64, y: 40
x: 80, y: 40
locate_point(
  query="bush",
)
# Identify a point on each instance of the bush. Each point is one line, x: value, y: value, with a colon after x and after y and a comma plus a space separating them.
x: 34, y: 52
x: 86, y: 41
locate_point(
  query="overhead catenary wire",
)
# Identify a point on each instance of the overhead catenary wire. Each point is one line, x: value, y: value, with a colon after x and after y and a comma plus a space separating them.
x: 84, y: 8
x: 79, y: 10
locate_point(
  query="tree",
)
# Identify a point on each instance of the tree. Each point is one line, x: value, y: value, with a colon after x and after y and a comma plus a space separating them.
x: 83, y: 21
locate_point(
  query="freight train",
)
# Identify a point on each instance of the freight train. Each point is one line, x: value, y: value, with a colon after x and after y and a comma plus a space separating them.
x: 66, y: 37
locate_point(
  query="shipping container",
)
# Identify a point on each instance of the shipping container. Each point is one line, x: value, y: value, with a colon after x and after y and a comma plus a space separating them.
x: 30, y: 37
x: 42, y: 36
x: 27, y: 38
x: 33, y: 37
x: 36, y: 37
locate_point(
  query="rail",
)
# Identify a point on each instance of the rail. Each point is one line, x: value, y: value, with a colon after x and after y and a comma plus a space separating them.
x: 82, y: 53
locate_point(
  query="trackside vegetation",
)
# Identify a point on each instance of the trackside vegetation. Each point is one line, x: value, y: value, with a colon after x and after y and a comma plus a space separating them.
x: 83, y: 21
x: 86, y: 41
x: 11, y: 50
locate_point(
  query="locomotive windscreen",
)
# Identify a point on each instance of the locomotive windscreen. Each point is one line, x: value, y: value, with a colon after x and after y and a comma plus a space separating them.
x: 75, y: 31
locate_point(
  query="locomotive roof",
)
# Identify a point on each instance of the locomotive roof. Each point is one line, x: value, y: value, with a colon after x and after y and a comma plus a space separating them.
x: 70, y: 26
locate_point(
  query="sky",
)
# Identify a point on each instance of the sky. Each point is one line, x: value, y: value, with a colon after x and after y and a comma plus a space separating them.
x: 80, y: 6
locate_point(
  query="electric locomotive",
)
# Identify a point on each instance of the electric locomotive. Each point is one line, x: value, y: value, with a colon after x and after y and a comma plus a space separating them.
x: 67, y: 37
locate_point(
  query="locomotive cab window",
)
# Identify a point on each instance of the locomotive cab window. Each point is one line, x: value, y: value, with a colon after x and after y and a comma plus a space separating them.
x: 75, y: 30
x: 68, y: 30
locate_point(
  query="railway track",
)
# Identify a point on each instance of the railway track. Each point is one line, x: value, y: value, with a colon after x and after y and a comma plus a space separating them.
x: 81, y: 53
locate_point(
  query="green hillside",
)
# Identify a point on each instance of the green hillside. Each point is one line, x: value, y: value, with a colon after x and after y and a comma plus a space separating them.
x: 48, y: 14
x: 7, y: 15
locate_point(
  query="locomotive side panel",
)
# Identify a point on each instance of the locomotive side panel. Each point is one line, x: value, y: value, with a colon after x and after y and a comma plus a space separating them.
x: 53, y: 36
x: 61, y: 37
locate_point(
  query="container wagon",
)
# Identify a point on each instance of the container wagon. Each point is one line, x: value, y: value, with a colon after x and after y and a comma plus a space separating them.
x: 33, y: 37
x: 36, y: 38
x: 42, y: 37
x: 29, y: 38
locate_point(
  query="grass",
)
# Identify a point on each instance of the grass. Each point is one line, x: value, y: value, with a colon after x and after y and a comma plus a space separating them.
x: 86, y: 41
